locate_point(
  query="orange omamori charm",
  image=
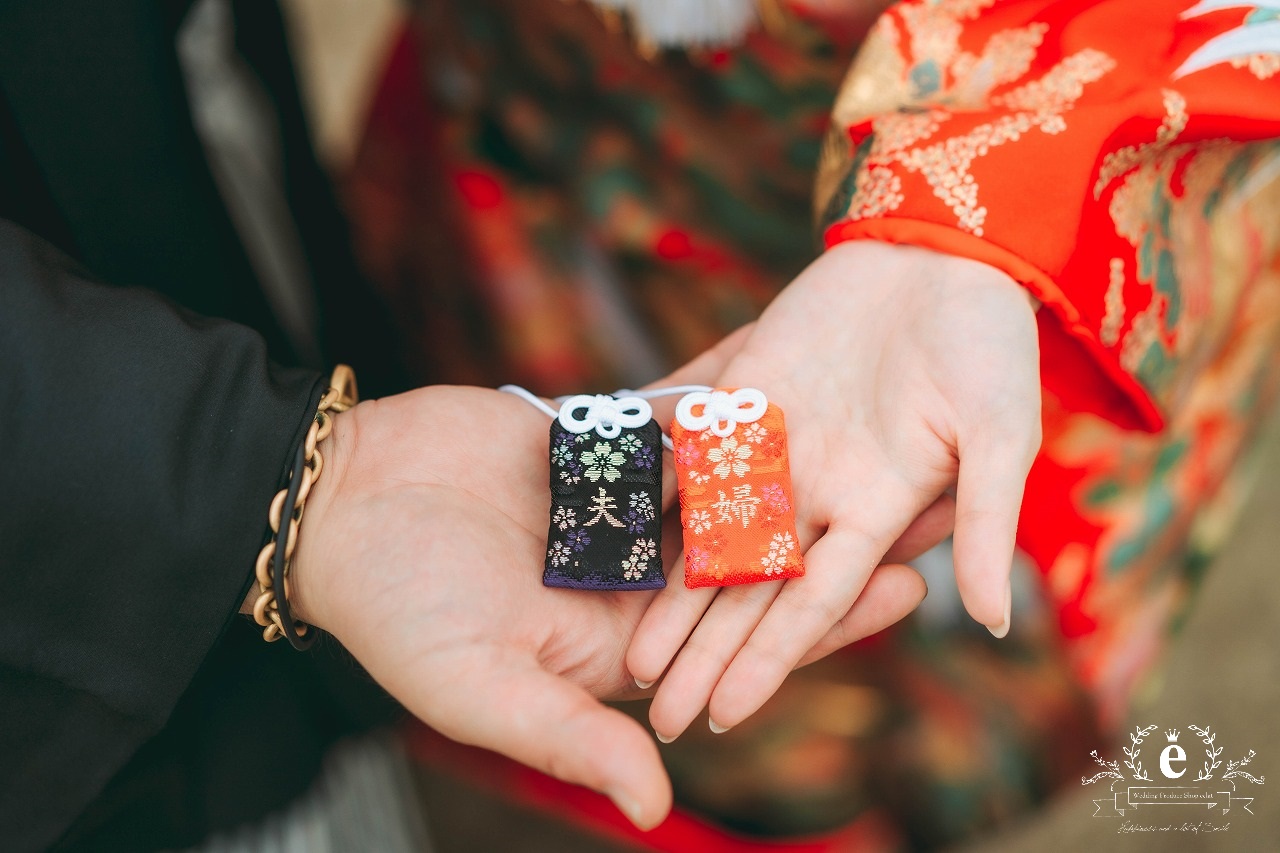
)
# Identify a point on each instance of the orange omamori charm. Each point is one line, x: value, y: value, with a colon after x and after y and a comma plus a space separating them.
x: 734, y: 477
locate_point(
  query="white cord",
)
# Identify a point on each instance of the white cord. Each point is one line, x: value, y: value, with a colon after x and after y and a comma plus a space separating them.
x: 722, y: 411
x: 607, y: 415
x: 531, y: 398
x: 540, y: 404
x: 607, y: 427
x: 661, y: 392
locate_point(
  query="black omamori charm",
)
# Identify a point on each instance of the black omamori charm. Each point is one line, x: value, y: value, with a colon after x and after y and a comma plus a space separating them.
x: 606, y: 509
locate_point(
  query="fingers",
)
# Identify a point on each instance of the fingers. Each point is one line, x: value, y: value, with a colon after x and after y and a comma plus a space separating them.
x: 688, y: 684
x: 837, y: 568
x: 671, y: 617
x: 927, y: 530
x: 676, y: 610
x: 993, y: 473
x: 702, y: 370
x: 546, y: 722
x: 891, y: 594
x: 734, y: 616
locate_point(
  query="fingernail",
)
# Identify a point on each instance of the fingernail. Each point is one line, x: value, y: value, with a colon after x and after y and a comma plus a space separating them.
x: 626, y: 805
x: 999, y: 631
x: 716, y: 727
x: 643, y: 685
x: 664, y: 738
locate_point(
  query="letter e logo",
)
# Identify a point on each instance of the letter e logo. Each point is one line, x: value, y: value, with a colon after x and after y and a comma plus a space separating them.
x: 1172, y: 753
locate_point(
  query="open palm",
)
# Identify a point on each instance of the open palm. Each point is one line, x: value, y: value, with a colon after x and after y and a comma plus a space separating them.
x: 902, y: 373
x: 422, y: 553
x: 423, y: 557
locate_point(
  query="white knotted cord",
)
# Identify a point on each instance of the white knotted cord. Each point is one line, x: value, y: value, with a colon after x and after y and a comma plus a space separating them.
x: 721, y: 411
x: 604, y: 414
x: 603, y: 411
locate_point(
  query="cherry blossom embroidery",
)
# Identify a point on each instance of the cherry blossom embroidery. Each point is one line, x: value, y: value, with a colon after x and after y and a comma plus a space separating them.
x: 772, y: 445
x: 635, y: 566
x: 643, y: 504
x: 730, y: 457
x: 777, y: 560
x: 603, y: 461
x: 564, y: 517
x: 644, y: 458
x: 687, y: 453
x: 578, y: 540
x: 562, y: 452
x: 640, y: 511
x: 699, y: 520
x: 558, y: 554
x: 606, y: 490
x: 734, y: 480
x: 697, y: 560
x: 775, y: 499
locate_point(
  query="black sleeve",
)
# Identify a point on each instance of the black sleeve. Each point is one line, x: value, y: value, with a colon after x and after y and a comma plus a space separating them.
x: 140, y: 447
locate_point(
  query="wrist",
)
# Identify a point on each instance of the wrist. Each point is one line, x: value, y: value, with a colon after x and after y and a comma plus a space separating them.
x: 904, y: 265
x: 280, y: 606
x: 311, y: 569
x: 879, y: 285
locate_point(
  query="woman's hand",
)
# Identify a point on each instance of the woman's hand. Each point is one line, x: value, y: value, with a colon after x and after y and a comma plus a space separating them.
x: 901, y: 373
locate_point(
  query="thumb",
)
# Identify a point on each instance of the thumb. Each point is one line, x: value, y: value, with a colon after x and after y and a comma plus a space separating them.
x: 993, y: 473
x: 546, y: 722
x: 703, y: 369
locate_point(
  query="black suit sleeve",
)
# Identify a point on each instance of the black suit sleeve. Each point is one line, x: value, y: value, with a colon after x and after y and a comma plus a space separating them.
x: 139, y: 449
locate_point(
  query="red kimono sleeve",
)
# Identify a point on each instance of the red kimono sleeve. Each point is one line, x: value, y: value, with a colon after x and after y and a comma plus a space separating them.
x: 1047, y: 137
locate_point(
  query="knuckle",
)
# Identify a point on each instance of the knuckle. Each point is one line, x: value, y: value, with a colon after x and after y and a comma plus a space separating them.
x: 773, y: 659
x: 710, y: 654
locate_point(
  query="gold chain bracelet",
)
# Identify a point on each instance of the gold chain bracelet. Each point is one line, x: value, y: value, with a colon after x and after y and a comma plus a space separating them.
x: 267, y: 610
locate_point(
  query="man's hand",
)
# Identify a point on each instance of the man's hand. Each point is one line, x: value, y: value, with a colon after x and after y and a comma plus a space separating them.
x: 421, y: 550
x: 901, y: 372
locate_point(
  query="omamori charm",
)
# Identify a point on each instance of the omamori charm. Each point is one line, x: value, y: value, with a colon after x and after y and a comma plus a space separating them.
x: 736, y: 503
x: 606, y: 496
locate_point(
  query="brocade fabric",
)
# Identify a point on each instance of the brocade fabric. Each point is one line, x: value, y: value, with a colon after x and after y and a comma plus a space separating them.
x: 606, y: 510
x: 736, y: 503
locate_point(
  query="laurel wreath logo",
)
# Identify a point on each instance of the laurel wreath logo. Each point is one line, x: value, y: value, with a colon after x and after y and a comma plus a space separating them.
x: 1234, y: 769
x: 1131, y: 752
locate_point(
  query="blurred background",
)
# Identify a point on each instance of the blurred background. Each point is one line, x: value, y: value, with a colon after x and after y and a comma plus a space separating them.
x: 807, y: 765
